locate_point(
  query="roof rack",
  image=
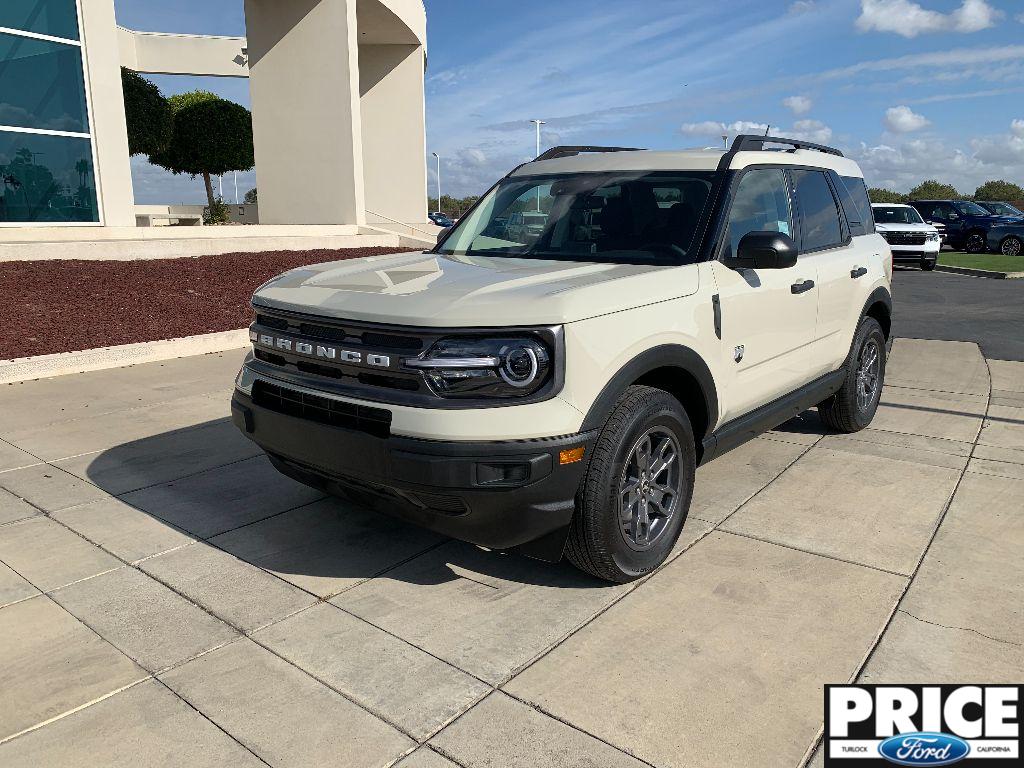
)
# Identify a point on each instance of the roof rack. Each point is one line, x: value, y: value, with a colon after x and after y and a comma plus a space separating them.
x: 555, y: 152
x: 752, y: 142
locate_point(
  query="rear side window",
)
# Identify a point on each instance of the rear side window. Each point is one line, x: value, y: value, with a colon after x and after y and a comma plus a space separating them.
x: 821, y: 226
x: 853, y: 194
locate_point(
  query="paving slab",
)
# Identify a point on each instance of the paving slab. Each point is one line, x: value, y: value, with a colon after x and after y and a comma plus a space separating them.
x: 1007, y: 375
x: 13, y: 508
x: 104, y: 431
x: 50, y: 488
x: 223, y: 498
x: 121, y: 529
x: 282, y: 714
x: 484, y: 612
x: 973, y: 574
x: 722, y: 486
x: 52, y: 663
x: 917, y: 651
x: 399, y: 683
x: 916, y: 447
x: 1004, y: 427
x: 12, y: 457
x: 946, y: 366
x: 502, y: 731
x: 146, y: 725
x: 861, y: 508
x: 931, y: 414
x: 425, y: 757
x: 328, y: 546
x: 143, y: 618
x: 13, y: 587
x: 62, y: 398
x: 729, y: 645
x: 997, y: 468
x: 237, y: 592
x: 895, y: 451
x: 49, y: 555
x: 994, y: 453
x: 161, y: 458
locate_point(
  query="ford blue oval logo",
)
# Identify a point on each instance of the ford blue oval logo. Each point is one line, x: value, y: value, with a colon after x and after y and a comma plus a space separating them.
x: 924, y: 749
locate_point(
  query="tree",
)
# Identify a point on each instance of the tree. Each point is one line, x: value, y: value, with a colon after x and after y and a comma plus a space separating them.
x: 879, y: 195
x: 933, y: 190
x: 147, y: 113
x: 211, y: 136
x: 252, y: 196
x: 999, y: 190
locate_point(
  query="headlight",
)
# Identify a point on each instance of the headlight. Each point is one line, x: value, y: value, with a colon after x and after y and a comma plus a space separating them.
x: 932, y: 236
x: 485, y: 367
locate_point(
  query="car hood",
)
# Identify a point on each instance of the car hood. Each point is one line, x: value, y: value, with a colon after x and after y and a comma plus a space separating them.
x: 905, y: 228
x: 435, y: 290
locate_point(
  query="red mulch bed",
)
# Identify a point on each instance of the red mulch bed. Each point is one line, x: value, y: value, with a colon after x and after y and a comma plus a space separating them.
x: 60, y: 306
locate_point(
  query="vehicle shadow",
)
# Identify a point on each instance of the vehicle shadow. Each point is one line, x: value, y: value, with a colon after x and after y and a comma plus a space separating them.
x: 212, y: 483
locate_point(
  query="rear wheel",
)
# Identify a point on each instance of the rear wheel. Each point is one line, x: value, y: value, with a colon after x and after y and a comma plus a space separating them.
x: 634, y: 499
x: 853, y: 407
x: 1011, y: 246
x: 975, y: 243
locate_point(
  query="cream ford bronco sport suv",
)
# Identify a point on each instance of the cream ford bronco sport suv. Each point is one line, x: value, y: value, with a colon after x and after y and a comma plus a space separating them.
x: 551, y: 387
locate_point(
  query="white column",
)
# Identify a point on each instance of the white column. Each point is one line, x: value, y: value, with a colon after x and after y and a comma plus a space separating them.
x: 307, y: 127
x: 107, y: 121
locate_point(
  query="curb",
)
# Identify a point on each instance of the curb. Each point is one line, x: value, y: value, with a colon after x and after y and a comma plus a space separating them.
x: 979, y: 272
x: 63, y: 363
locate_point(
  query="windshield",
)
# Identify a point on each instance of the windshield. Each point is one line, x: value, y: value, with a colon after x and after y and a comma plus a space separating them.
x: 632, y: 216
x: 967, y: 208
x: 896, y: 214
x: 1002, y: 209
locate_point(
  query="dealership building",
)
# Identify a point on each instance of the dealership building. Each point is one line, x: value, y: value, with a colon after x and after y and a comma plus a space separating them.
x: 338, y: 119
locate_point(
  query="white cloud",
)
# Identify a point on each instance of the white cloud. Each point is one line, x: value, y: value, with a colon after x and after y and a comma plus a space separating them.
x: 716, y: 129
x: 809, y: 130
x: 903, y: 119
x: 799, y: 105
x: 1017, y: 128
x: 910, y: 19
x: 801, y: 6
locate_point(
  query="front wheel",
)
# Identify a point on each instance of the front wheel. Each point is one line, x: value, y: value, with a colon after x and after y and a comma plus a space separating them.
x: 853, y: 407
x: 1011, y: 246
x: 634, y: 499
x: 975, y: 243
x: 927, y: 264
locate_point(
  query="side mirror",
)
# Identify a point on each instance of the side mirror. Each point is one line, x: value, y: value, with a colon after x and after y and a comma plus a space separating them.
x: 442, y: 233
x: 765, y: 250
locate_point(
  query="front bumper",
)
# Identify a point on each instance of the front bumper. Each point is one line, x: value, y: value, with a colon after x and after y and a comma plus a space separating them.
x: 501, y: 495
x: 929, y: 251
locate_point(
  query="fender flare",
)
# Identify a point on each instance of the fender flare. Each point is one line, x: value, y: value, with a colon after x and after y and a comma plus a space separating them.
x: 882, y: 296
x: 663, y: 356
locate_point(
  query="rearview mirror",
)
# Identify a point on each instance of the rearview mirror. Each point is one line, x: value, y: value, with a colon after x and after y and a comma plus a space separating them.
x: 765, y: 250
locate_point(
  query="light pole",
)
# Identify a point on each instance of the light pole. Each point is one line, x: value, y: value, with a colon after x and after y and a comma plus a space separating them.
x: 725, y: 141
x: 438, y: 180
x: 538, y: 123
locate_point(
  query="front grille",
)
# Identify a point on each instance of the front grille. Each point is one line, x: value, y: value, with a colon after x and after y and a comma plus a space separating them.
x: 323, y: 410
x: 323, y: 332
x: 277, y: 323
x: 905, y: 238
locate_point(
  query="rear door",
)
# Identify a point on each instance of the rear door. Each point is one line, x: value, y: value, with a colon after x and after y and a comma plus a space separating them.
x: 767, y: 315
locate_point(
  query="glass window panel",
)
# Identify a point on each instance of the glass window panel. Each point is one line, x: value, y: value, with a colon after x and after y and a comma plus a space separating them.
x: 58, y: 18
x: 761, y: 204
x: 46, y: 179
x: 821, y: 225
x: 41, y: 85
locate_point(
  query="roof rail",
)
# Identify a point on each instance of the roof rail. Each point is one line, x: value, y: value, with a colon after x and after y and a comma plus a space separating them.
x: 752, y: 142
x: 555, y: 152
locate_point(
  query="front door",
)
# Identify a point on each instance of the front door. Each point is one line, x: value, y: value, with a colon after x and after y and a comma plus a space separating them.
x: 767, y: 315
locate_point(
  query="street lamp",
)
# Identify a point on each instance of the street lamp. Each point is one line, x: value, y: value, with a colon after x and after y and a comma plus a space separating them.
x: 438, y: 180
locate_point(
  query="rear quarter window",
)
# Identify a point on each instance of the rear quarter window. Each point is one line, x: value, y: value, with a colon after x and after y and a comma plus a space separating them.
x: 853, y: 195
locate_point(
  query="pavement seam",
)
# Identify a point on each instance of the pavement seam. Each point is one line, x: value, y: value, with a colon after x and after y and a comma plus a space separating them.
x: 924, y: 553
x: 962, y: 629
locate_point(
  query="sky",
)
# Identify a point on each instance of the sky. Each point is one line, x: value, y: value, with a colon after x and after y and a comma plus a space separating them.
x: 911, y: 89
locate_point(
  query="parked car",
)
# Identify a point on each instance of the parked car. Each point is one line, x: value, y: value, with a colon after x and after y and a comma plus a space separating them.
x: 909, y: 238
x: 556, y: 397
x: 1001, y: 208
x: 1007, y: 238
x: 966, y: 223
x: 441, y: 219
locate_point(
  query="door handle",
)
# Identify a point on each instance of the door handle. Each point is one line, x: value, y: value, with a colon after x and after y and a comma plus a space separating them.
x: 858, y: 272
x: 802, y: 287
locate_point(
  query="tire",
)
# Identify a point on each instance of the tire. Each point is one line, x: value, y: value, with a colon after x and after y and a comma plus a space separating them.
x: 845, y: 411
x: 976, y: 243
x: 1011, y: 246
x: 927, y: 264
x: 604, y: 542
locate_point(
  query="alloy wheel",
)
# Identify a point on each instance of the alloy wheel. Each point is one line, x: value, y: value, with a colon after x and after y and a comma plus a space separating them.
x: 975, y: 243
x: 869, y: 366
x: 649, y: 488
x: 1011, y: 246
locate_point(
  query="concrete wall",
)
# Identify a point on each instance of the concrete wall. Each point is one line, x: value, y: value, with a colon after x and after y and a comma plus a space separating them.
x: 159, y: 53
x: 394, y: 132
x: 109, y: 131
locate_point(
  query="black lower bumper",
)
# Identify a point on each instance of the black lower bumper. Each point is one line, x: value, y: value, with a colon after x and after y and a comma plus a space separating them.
x: 501, y: 495
x: 914, y: 256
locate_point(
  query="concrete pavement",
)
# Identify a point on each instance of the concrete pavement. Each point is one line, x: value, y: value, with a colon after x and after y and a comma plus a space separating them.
x: 166, y: 598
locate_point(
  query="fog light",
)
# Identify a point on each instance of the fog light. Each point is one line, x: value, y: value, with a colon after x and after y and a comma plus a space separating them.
x: 571, y: 455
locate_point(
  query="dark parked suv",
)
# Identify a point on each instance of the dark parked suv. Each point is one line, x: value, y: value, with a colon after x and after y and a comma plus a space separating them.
x: 966, y: 223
